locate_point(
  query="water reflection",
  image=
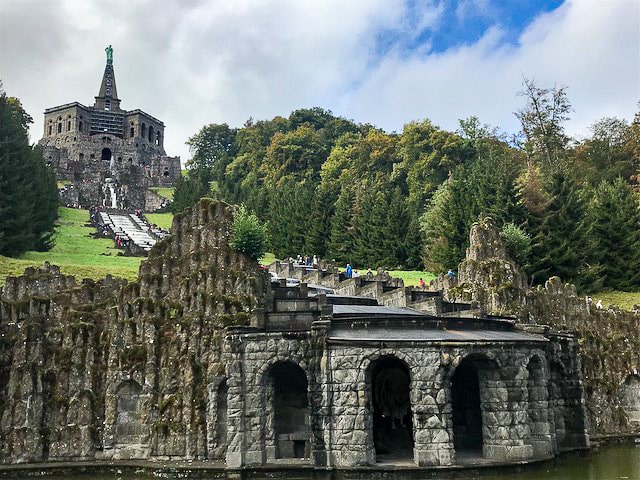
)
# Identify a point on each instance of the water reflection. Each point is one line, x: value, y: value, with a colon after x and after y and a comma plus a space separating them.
x: 620, y: 462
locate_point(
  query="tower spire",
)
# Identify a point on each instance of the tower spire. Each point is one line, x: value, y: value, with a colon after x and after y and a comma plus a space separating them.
x: 107, y: 98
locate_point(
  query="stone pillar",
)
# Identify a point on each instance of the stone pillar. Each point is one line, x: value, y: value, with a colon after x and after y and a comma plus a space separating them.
x: 319, y: 392
x: 503, y: 399
x: 431, y: 409
x: 351, y: 418
x: 235, y: 405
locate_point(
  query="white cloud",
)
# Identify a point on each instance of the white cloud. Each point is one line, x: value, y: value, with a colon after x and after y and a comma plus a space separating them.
x: 195, y: 62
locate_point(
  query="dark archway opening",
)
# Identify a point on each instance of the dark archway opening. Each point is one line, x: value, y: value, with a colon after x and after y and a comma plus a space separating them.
x: 392, y: 419
x: 221, y: 414
x: 106, y: 154
x: 466, y: 414
x: 129, y: 425
x: 290, y: 411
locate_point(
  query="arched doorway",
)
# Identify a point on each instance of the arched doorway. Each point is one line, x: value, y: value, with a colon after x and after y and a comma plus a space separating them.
x: 466, y: 411
x: 630, y: 398
x: 106, y: 154
x: 392, y: 419
x: 221, y: 414
x: 290, y: 404
x: 129, y: 427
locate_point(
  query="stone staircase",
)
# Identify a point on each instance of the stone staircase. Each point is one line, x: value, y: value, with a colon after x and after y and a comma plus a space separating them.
x: 386, y: 290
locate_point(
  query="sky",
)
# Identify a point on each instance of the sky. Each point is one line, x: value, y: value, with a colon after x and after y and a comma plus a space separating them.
x: 385, y: 62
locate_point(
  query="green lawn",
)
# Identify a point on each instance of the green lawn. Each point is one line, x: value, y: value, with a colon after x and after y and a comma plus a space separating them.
x: 164, y: 192
x: 76, y: 252
x: 163, y: 220
x: 412, y: 277
x: 624, y: 300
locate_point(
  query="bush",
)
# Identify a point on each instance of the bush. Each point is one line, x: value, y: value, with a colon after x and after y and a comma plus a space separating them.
x: 248, y: 234
x: 517, y: 242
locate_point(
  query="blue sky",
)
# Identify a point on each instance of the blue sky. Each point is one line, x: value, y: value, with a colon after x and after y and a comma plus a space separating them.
x: 385, y: 62
x: 460, y: 22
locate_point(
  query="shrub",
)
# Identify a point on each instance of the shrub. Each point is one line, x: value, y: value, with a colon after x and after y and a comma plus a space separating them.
x: 517, y: 242
x: 248, y: 234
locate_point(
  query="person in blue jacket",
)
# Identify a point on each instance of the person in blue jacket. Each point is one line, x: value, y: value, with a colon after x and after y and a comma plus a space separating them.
x: 349, y: 271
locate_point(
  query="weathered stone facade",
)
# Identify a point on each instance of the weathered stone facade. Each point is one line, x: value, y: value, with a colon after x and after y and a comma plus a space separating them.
x: 204, y: 359
x: 107, y: 156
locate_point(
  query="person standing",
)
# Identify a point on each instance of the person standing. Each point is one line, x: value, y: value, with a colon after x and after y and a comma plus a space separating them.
x: 348, y: 271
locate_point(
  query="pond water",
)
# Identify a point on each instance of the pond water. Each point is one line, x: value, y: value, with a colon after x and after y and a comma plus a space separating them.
x: 616, y: 462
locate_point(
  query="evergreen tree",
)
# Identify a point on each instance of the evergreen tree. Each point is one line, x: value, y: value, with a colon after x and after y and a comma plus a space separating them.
x: 614, y: 236
x: 558, y: 245
x: 289, y: 206
x: 188, y: 190
x: 342, y: 229
x: 319, y: 225
x: 28, y: 193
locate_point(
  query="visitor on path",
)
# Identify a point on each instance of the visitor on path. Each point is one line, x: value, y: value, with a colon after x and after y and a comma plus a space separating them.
x: 356, y: 274
x: 315, y: 261
x: 348, y: 271
x: 451, y: 273
x: 422, y: 283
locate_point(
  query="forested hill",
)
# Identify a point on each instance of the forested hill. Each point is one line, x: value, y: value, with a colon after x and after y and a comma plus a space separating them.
x: 328, y: 186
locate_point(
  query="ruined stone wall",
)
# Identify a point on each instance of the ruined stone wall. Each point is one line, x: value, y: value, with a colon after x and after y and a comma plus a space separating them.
x: 114, y: 370
x: 609, y: 344
x: 138, y: 165
x: 52, y: 366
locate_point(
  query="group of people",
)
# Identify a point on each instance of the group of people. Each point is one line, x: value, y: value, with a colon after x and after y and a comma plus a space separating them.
x: 305, y: 261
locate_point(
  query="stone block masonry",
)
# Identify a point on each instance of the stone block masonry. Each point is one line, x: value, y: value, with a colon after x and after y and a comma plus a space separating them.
x: 204, y: 359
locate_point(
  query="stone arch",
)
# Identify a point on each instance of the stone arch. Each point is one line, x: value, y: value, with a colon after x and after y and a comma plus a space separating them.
x: 388, y: 388
x: 143, y: 130
x: 131, y: 132
x: 630, y: 398
x: 288, y: 430
x: 129, y: 428
x: 158, y: 138
x: 471, y: 382
x: 151, y: 137
x: 80, y: 126
x: 68, y: 125
x: 106, y: 154
x: 59, y: 127
x: 538, y: 407
x: 222, y: 394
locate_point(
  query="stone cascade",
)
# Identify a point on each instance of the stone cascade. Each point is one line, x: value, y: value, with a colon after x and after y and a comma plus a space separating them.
x: 380, y: 286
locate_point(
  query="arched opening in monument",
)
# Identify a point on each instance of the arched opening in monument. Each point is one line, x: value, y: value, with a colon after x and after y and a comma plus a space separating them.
x: 166, y: 173
x: 131, y: 132
x: 129, y: 426
x: 59, y: 127
x: 466, y: 412
x: 107, y: 105
x: 50, y: 130
x: 221, y: 414
x: 630, y: 398
x: 392, y: 418
x: 143, y: 130
x: 80, y: 126
x: 106, y: 154
x: 158, y: 139
x: 68, y: 125
x: 150, y: 134
x: 291, y: 426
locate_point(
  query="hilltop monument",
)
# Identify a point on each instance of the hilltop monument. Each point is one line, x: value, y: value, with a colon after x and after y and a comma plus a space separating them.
x: 107, y: 156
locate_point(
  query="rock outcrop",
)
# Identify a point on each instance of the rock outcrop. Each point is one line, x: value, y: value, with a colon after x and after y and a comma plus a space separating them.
x: 609, y: 338
x: 111, y: 369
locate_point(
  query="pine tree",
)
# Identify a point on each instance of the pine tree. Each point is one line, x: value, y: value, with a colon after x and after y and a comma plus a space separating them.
x: 17, y: 198
x: 45, y: 211
x: 614, y: 236
x: 558, y: 245
x: 341, y: 243
x: 319, y: 225
x: 188, y: 190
